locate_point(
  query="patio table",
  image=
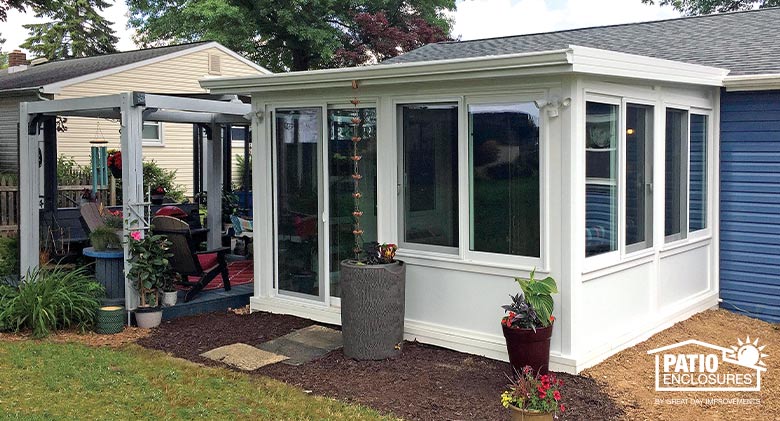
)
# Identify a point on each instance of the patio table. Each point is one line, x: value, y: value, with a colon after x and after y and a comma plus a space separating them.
x: 110, y: 272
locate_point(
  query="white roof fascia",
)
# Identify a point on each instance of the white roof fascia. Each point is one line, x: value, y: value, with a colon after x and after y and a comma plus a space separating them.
x: 573, y: 59
x: 610, y: 63
x: 762, y: 82
x: 546, y: 62
x: 55, y: 87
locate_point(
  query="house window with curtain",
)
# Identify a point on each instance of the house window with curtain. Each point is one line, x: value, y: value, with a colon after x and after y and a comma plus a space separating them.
x: 601, y: 181
x: 428, y: 204
x: 504, y: 179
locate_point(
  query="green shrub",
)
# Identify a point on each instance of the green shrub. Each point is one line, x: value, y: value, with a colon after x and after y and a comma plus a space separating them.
x: 155, y: 176
x: 47, y: 300
x: 104, y: 238
x: 9, y: 256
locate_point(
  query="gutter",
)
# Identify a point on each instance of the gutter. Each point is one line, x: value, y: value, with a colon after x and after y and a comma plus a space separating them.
x: 37, y: 90
x: 763, y: 82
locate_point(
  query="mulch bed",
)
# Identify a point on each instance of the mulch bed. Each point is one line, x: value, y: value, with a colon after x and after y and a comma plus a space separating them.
x: 424, y: 383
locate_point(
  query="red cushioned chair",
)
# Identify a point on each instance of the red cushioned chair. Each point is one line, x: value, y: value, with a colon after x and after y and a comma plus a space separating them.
x: 203, y: 266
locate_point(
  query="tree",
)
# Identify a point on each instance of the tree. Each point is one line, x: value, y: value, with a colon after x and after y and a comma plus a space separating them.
x: 6, y: 5
x: 3, y: 54
x: 76, y: 29
x: 296, y: 34
x: 704, y: 7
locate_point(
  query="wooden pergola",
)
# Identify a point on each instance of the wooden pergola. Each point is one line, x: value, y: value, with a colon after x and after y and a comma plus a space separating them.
x: 38, y: 148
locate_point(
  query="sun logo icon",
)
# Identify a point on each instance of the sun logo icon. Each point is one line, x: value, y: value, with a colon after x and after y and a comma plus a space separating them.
x: 748, y: 354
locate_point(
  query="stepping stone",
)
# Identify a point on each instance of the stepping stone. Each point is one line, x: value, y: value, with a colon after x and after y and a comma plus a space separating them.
x: 318, y: 337
x: 296, y: 352
x: 243, y: 356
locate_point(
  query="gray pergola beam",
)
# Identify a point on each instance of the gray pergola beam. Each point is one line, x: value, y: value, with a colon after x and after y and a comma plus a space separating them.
x: 197, y: 105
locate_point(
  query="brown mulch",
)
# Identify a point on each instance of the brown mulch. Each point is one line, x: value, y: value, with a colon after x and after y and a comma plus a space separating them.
x: 128, y: 335
x: 424, y: 383
x: 630, y: 374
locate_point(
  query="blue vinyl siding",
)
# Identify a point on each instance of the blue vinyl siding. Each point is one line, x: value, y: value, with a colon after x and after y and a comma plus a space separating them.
x: 750, y: 203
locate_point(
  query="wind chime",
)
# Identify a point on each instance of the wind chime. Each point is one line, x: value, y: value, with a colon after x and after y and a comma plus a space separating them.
x: 357, y: 126
x: 99, y: 155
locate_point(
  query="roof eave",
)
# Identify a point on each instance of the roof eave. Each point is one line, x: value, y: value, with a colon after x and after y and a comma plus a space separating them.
x: 574, y: 59
x: 383, y: 74
x: 20, y: 91
x: 762, y: 82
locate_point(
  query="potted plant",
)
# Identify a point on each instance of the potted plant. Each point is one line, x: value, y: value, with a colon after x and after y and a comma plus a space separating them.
x: 533, y: 396
x: 372, y: 284
x: 157, y: 195
x: 114, y: 163
x: 529, y: 322
x: 170, y: 295
x: 104, y: 238
x: 149, y: 267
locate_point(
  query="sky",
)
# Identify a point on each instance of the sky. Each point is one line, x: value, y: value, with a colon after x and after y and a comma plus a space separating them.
x: 473, y: 19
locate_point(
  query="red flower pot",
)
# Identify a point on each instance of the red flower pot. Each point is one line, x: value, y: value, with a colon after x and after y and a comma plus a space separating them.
x: 526, y: 347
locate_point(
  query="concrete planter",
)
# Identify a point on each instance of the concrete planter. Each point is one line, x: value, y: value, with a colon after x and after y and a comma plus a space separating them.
x: 372, y: 309
x: 169, y: 298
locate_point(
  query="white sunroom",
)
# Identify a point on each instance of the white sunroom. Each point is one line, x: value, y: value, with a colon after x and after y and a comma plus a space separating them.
x: 595, y: 167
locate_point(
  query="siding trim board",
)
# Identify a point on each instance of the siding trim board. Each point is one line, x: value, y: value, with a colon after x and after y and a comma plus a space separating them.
x: 750, y: 203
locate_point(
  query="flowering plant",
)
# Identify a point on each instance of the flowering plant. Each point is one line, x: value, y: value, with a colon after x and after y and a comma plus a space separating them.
x: 149, y: 265
x: 534, y: 392
x: 114, y: 160
x: 112, y: 219
x: 160, y: 190
x: 532, y: 308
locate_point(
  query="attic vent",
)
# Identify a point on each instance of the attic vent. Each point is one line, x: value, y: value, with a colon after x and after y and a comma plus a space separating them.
x: 215, y: 64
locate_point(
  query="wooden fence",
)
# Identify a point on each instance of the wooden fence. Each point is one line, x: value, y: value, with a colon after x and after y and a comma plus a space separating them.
x: 69, y: 193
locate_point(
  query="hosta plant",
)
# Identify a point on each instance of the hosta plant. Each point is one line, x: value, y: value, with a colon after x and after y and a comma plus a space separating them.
x: 532, y: 308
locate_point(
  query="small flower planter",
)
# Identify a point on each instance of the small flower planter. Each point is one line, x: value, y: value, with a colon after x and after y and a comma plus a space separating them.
x: 157, y: 199
x: 148, y: 317
x: 518, y: 414
x: 169, y: 298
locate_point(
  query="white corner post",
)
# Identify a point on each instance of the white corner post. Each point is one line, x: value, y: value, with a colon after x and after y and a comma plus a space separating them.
x: 29, y: 191
x: 134, y: 208
x: 214, y: 186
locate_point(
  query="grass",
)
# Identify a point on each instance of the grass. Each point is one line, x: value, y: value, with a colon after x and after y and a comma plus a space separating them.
x: 41, y: 380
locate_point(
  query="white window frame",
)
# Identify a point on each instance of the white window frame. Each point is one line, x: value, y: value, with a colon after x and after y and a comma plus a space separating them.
x: 682, y: 237
x: 160, y: 141
x: 423, y: 249
x: 612, y: 257
x: 709, y: 144
x: 635, y: 250
x: 465, y: 205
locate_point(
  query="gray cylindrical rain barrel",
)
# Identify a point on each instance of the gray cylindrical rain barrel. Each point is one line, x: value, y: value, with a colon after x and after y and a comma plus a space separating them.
x: 372, y: 309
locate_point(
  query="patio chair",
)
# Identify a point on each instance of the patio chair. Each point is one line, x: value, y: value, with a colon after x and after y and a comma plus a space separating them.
x: 187, y: 261
x: 242, y: 229
x: 90, y: 213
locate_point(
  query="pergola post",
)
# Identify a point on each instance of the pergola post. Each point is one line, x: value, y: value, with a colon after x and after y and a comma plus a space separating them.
x: 133, y: 200
x: 29, y: 195
x: 214, y: 187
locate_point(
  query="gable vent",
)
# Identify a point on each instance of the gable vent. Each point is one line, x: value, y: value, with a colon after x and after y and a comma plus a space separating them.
x: 215, y: 64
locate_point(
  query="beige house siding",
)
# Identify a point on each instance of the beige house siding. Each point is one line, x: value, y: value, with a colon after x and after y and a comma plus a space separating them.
x: 176, y: 75
x: 9, y: 120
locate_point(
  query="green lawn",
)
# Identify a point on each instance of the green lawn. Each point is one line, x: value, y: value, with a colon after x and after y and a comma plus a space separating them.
x: 44, y: 380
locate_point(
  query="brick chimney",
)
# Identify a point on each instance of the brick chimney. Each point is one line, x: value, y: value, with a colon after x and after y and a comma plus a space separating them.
x: 17, y: 58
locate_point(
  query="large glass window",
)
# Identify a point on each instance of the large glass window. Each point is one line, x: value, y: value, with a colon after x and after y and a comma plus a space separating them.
x: 698, y: 173
x: 676, y: 176
x: 297, y: 135
x: 504, y: 179
x: 601, y: 144
x: 341, y: 185
x: 639, y: 177
x: 429, y: 201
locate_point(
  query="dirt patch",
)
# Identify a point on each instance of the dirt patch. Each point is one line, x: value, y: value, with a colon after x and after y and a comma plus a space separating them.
x: 630, y: 374
x: 424, y: 383
x: 128, y: 335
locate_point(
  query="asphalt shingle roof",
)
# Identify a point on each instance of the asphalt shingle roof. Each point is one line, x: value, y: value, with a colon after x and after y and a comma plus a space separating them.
x: 56, y: 71
x: 743, y: 42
